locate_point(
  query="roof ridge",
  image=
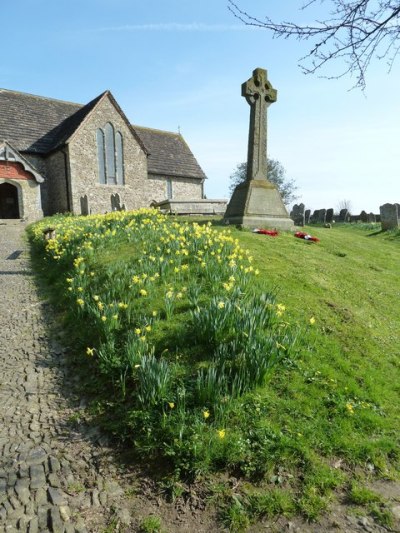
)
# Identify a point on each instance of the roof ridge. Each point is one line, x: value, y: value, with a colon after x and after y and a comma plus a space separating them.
x: 40, y: 97
x: 176, y: 134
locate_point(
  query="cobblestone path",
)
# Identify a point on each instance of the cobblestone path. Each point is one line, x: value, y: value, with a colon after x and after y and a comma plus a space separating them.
x: 52, y: 477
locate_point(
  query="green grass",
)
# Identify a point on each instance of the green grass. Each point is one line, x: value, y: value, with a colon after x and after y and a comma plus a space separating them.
x: 349, y: 282
x: 327, y: 406
x: 150, y: 524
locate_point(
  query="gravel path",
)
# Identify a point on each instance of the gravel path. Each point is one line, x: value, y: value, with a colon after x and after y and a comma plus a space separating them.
x: 52, y: 477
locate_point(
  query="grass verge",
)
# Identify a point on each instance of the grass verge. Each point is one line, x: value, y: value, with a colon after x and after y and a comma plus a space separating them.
x: 272, y: 359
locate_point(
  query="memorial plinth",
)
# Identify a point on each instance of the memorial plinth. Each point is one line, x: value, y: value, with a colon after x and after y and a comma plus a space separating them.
x: 257, y: 202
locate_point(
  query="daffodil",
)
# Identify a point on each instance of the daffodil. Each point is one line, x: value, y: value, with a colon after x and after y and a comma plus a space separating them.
x: 206, y: 414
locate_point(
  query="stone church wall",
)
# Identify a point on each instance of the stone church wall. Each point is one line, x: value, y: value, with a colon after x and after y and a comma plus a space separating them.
x: 57, y: 190
x: 182, y: 188
x: 187, y: 189
x: 29, y: 200
x: 39, y: 163
x: 84, y: 165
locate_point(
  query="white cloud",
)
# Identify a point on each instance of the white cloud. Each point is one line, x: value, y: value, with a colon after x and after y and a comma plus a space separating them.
x: 175, y: 26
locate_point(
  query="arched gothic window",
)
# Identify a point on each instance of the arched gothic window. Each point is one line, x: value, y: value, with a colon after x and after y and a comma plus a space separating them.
x: 110, y: 152
x: 119, y: 158
x: 101, y: 156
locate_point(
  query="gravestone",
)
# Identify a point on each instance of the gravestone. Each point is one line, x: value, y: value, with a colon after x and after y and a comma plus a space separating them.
x: 321, y: 216
x: 115, y: 202
x: 389, y: 216
x: 307, y: 215
x: 363, y: 216
x: 84, y: 205
x: 257, y: 202
x: 314, y: 217
x: 297, y: 214
x: 329, y: 216
x: 344, y: 215
x: 371, y: 217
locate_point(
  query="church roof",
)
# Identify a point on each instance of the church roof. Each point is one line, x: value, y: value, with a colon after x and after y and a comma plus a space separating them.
x: 37, y: 124
x: 169, y: 155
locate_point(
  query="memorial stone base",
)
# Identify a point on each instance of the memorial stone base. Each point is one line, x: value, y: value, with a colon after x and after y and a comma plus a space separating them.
x: 258, y: 204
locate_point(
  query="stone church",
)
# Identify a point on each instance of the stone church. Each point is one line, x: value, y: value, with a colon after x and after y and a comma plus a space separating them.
x: 58, y: 157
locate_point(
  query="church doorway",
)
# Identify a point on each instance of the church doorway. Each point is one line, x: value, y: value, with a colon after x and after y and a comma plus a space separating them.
x: 9, y: 207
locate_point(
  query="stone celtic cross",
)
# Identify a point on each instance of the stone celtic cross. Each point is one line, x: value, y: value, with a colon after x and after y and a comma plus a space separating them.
x: 259, y: 94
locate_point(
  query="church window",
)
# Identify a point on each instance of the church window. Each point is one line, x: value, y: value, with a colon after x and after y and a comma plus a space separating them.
x: 119, y: 158
x: 110, y: 155
x: 101, y: 156
x: 169, y: 188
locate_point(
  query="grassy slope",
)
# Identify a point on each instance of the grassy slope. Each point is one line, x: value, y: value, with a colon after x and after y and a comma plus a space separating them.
x: 350, y: 283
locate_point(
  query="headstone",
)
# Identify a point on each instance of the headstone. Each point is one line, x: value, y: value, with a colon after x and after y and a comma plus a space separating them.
x: 363, y: 216
x: 371, y: 217
x: 321, y: 216
x: 389, y: 216
x: 307, y: 215
x: 314, y: 217
x: 115, y: 202
x: 256, y: 202
x: 297, y: 214
x: 329, y: 216
x: 84, y: 205
x: 344, y: 215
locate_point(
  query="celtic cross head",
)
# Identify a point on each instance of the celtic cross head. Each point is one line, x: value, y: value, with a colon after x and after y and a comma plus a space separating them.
x: 258, y: 88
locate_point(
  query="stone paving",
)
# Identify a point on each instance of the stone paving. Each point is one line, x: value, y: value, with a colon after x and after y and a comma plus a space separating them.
x: 52, y: 477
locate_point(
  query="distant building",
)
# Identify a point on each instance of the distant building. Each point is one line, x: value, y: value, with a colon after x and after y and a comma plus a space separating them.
x: 58, y: 156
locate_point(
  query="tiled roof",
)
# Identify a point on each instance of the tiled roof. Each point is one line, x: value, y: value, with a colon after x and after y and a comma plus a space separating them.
x: 38, y: 124
x: 169, y: 155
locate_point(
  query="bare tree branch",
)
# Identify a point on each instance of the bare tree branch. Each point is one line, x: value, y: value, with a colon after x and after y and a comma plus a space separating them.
x: 354, y: 32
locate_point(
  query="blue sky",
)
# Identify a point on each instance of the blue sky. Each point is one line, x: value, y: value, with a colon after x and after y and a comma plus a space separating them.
x: 181, y: 63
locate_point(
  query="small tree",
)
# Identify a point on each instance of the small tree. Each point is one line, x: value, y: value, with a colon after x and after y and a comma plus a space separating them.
x: 276, y: 175
x: 344, y: 204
